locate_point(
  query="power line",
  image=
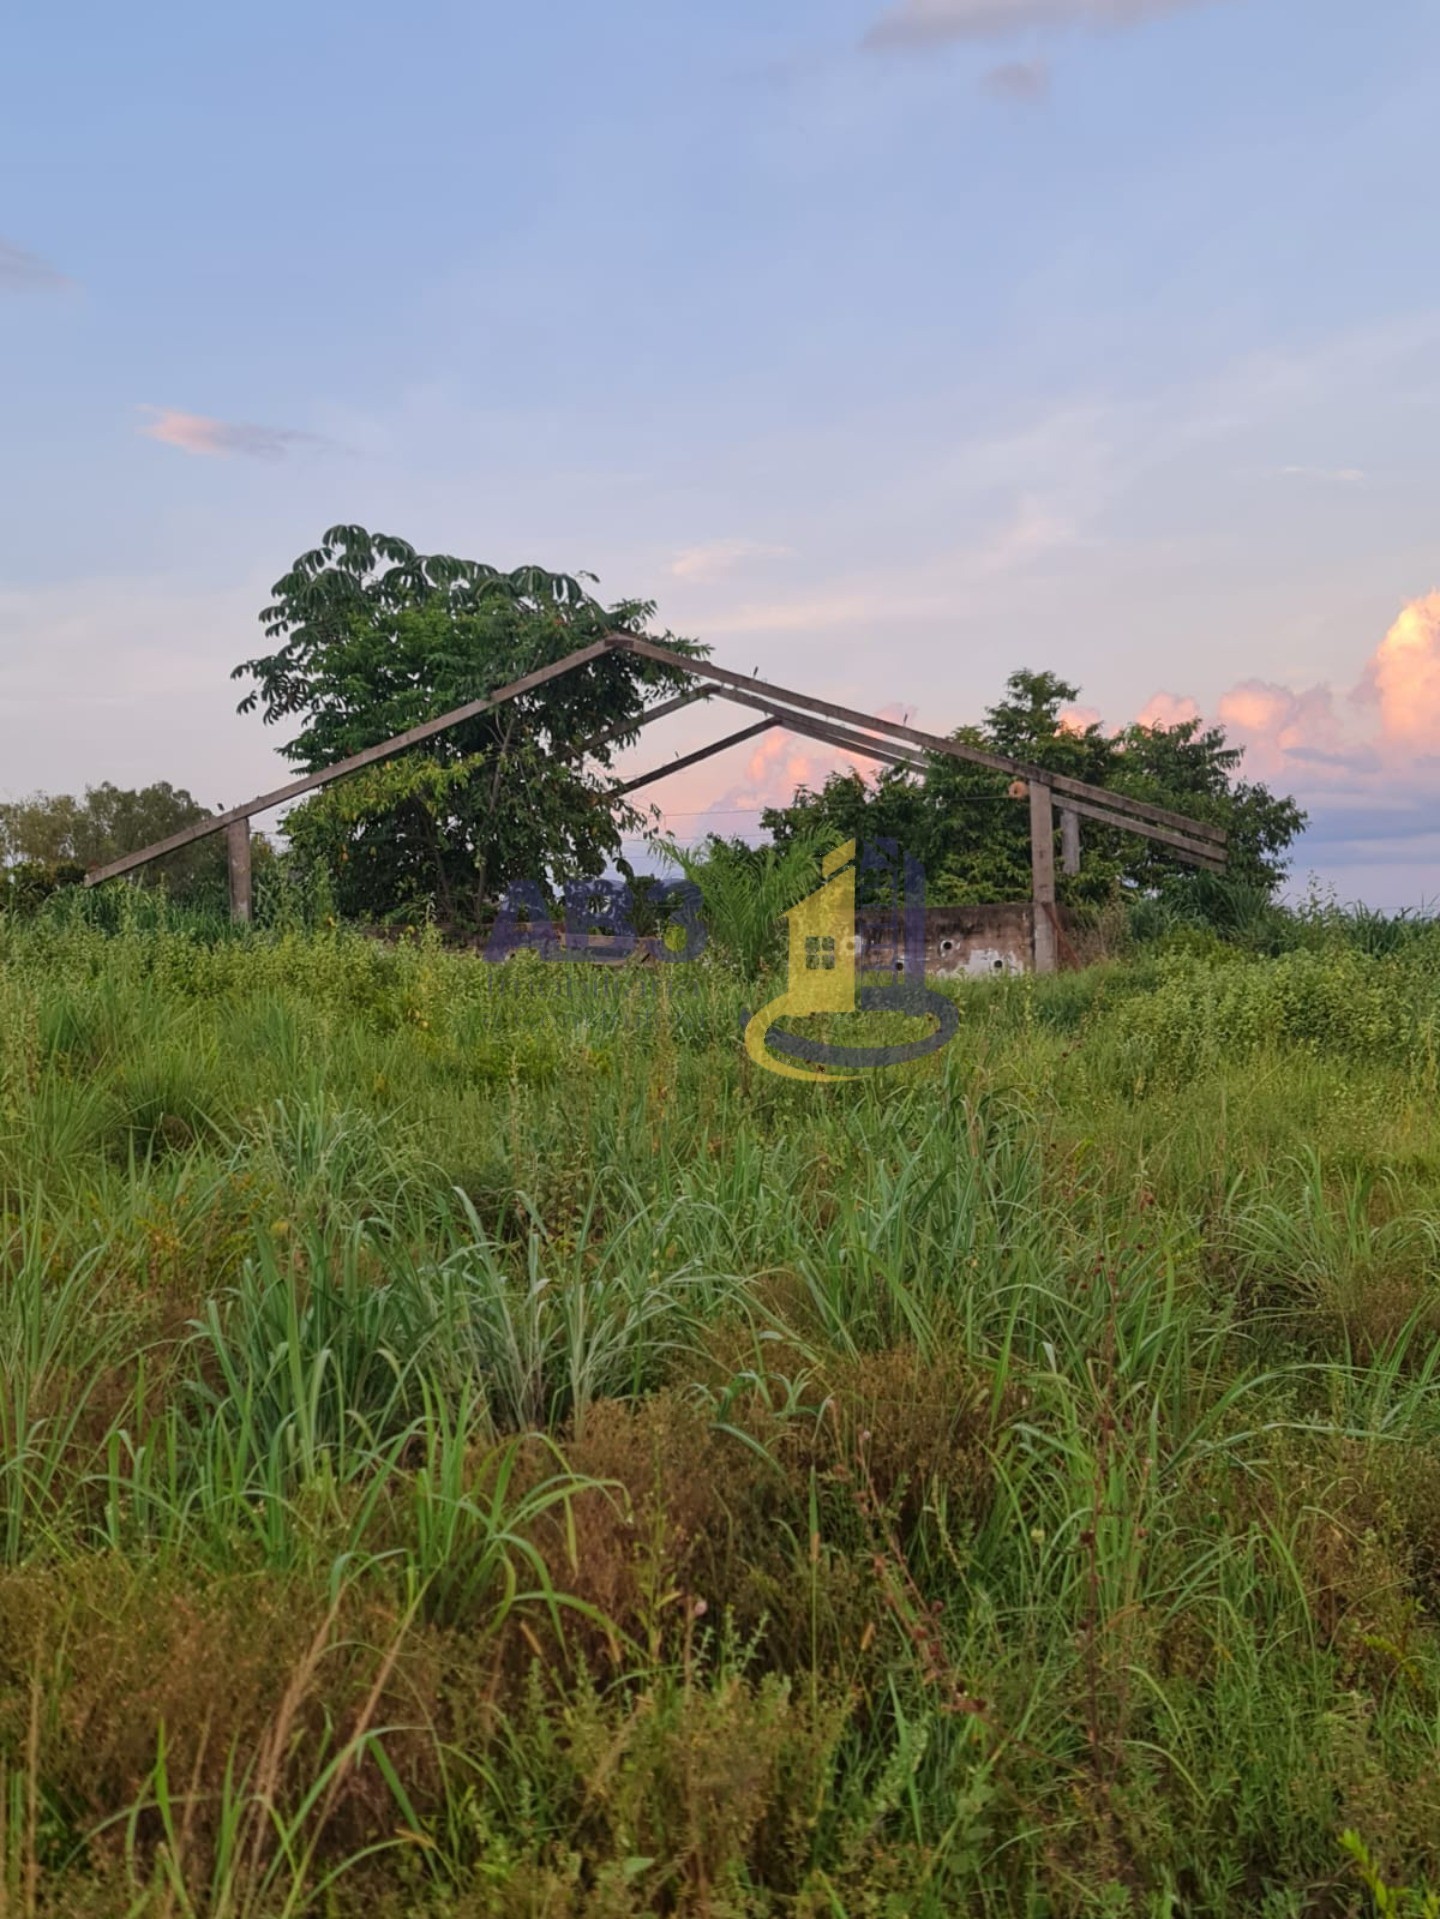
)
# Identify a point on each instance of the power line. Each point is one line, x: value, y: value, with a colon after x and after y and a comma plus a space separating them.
x: 715, y: 812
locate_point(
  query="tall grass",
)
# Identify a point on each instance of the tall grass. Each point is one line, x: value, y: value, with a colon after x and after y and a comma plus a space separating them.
x: 469, y: 1442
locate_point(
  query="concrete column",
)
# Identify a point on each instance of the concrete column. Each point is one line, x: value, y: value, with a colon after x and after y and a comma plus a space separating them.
x: 237, y: 846
x: 1069, y: 840
x: 1042, y: 871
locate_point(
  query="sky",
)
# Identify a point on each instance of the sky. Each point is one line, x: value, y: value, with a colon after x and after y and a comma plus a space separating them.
x: 887, y: 345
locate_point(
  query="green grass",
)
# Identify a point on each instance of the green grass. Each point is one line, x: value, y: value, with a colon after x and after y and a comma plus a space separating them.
x: 472, y: 1444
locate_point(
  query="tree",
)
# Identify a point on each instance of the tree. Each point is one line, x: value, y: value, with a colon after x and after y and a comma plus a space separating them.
x: 374, y: 638
x: 974, y: 840
x: 56, y: 833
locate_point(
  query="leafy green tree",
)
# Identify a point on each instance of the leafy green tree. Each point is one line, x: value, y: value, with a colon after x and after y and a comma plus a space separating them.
x: 974, y: 839
x: 1191, y: 768
x: 373, y: 638
x: 58, y: 834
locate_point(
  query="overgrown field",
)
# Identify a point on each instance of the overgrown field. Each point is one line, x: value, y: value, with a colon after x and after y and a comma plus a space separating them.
x: 471, y: 1444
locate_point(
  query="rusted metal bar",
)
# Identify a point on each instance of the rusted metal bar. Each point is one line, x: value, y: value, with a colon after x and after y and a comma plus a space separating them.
x: 691, y: 759
x: 371, y: 755
x: 780, y: 696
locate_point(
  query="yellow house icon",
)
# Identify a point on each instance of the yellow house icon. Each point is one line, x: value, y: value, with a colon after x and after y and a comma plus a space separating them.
x: 821, y: 961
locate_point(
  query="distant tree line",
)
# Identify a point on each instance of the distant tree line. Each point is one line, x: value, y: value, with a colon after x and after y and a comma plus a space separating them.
x: 50, y: 840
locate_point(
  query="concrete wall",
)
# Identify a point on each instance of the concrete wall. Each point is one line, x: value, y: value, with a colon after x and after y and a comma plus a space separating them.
x: 976, y: 942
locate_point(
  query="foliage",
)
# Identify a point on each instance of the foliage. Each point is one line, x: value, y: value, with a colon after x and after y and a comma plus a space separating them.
x: 470, y: 1445
x: 1391, y: 1902
x: 747, y: 890
x: 29, y: 883
x: 51, y: 839
x: 374, y: 638
x: 974, y: 839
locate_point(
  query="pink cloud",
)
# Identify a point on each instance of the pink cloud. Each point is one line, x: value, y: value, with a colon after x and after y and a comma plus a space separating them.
x: 1167, y: 709
x: 775, y: 765
x: 1403, y: 677
x: 1276, y: 724
x: 1320, y: 738
x: 196, y: 433
x: 717, y: 559
x: 1378, y: 741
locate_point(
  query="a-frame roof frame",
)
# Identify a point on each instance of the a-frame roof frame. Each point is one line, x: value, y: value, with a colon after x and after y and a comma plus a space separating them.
x: 891, y: 741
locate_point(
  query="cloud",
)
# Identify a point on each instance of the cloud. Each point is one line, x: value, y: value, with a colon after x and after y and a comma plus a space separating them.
x: 929, y: 23
x: 775, y: 765
x: 1279, y: 726
x: 194, y: 433
x: 1375, y: 745
x: 718, y: 558
x: 1018, y: 80
x: 139, y: 668
x: 1403, y: 678
x: 1363, y: 761
x: 1027, y: 537
x: 1348, y: 475
x: 22, y: 272
x: 1167, y: 709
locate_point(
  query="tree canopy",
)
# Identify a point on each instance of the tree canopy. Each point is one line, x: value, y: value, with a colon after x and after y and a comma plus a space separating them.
x: 374, y: 637
x: 974, y: 840
x: 55, y: 836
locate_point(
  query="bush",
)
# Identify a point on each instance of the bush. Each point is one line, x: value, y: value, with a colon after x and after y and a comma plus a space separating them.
x: 25, y: 886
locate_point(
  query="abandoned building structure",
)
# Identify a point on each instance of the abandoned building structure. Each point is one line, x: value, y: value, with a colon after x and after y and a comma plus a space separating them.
x: 959, y: 941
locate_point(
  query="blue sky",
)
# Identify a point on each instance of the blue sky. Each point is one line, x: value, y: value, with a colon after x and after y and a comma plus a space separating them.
x: 887, y: 346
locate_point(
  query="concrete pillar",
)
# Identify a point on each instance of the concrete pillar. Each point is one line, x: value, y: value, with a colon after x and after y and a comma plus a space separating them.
x: 237, y: 846
x: 1042, y: 872
x: 1069, y: 840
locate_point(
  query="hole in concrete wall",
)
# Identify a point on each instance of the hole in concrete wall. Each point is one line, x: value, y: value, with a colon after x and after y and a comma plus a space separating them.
x: 900, y: 966
x: 997, y: 966
x: 947, y: 946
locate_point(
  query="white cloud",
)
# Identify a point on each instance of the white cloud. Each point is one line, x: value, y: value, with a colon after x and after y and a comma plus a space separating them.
x: 928, y: 23
x: 717, y: 558
x: 1345, y: 474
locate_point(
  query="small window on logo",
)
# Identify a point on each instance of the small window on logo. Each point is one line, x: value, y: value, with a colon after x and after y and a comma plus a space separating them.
x: 819, y: 954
